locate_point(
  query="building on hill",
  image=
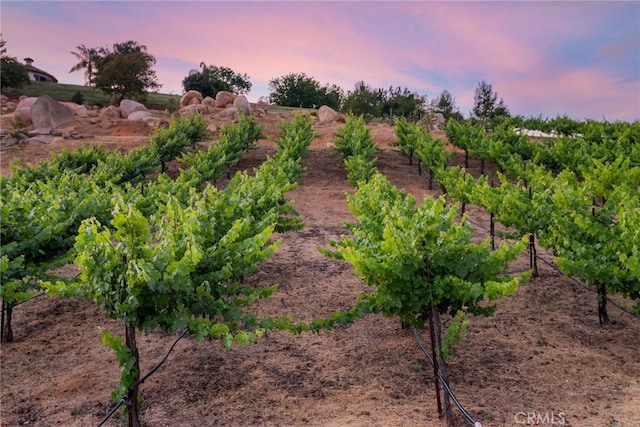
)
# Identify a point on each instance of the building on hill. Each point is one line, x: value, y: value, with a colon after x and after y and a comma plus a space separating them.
x: 36, y: 74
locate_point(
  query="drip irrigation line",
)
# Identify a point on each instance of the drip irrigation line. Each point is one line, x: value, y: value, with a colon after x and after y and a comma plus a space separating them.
x: 478, y: 225
x: 126, y: 397
x: 148, y: 374
x: 113, y: 411
x: 469, y: 418
x: 578, y: 282
x: 36, y: 296
x: 32, y: 298
x: 571, y: 278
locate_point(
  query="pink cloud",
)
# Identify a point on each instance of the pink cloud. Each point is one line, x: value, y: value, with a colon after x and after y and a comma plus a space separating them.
x: 578, y: 93
x: 315, y: 42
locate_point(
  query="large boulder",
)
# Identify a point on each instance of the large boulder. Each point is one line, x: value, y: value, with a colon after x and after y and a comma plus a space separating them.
x: 327, y: 114
x: 224, y: 98
x: 128, y: 106
x: 262, y: 105
x: 22, y: 115
x: 27, y: 102
x: 230, y: 113
x: 139, y: 115
x: 192, y: 97
x: 46, y: 112
x: 156, y: 122
x: 209, y: 102
x: 242, y: 103
x: 110, y: 112
x: 193, y: 109
x: 438, y: 119
x: 78, y: 110
x: 41, y: 139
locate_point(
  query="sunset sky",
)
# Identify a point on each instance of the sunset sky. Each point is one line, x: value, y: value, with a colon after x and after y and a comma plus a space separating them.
x: 544, y: 58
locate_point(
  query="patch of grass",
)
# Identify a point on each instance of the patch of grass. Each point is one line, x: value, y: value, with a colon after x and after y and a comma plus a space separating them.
x: 486, y: 415
x: 281, y: 109
x: 90, y: 95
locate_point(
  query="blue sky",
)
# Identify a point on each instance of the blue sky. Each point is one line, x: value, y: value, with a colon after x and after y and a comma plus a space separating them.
x: 544, y: 58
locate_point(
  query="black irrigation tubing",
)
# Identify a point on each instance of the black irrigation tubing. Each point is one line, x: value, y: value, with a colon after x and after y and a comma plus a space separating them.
x: 27, y: 300
x: 113, y: 411
x: 35, y: 296
x: 573, y: 279
x: 125, y: 398
x: 469, y: 418
x: 578, y: 282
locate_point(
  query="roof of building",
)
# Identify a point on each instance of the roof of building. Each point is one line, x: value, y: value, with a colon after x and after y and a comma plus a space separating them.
x: 32, y: 69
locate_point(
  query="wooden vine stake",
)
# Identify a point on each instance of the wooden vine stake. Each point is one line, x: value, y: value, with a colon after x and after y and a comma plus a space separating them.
x: 439, y: 366
x: 533, y: 258
x: 6, y: 323
x: 492, y: 226
x: 132, y: 402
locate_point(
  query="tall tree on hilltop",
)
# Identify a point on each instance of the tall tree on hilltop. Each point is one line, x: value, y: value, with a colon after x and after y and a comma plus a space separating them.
x: 445, y: 104
x: 401, y: 102
x: 126, y: 71
x: 485, y: 107
x: 484, y: 101
x: 87, y: 58
x: 212, y: 79
x: 300, y: 90
x: 364, y: 100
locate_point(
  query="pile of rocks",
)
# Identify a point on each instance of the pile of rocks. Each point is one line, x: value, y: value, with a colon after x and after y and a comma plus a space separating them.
x: 130, y: 110
x: 6, y: 105
x: 41, y: 136
x: 226, y: 105
x: 38, y: 119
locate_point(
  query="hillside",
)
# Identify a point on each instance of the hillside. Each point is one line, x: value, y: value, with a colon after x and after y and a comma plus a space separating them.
x: 542, y: 353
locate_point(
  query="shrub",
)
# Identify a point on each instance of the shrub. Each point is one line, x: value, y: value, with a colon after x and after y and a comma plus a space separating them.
x: 78, y: 98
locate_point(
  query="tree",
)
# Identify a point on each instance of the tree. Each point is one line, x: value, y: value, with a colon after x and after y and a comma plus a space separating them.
x: 402, y: 103
x: 485, y: 107
x: 445, y: 104
x: 13, y: 73
x: 300, y: 90
x: 213, y: 79
x: 87, y: 58
x: 501, y: 110
x: 364, y: 100
x: 484, y: 101
x: 126, y: 72
x: 334, y: 96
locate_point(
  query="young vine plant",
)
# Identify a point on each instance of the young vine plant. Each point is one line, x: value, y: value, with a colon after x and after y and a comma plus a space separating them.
x: 180, y: 263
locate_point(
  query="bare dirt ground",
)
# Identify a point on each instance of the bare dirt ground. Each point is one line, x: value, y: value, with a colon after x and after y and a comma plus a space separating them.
x: 541, y: 359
